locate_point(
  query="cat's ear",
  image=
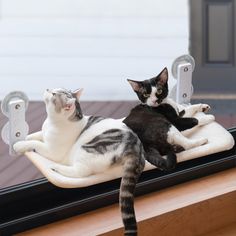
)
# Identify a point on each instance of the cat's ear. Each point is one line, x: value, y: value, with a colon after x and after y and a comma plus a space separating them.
x: 77, y: 93
x: 163, y: 76
x: 136, y: 85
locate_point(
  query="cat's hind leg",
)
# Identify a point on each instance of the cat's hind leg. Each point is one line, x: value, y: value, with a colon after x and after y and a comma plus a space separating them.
x: 174, y: 137
x: 75, y: 171
x: 163, y: 163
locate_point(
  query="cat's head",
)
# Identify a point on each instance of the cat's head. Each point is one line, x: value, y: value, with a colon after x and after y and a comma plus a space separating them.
x: 61, y: 103
x: 152, y: 91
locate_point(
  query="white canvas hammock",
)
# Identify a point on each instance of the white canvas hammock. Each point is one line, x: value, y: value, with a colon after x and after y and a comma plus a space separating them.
x: 219, y: 139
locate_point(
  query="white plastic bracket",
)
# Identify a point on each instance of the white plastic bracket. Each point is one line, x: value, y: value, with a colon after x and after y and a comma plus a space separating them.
x: 182, y: 69
x: 16, y: 129
x: 184, y: 83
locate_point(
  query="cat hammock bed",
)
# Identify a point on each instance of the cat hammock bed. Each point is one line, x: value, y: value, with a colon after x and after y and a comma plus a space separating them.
x: 219, y: 139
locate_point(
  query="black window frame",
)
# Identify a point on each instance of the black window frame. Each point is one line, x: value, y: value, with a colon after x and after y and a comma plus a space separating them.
x: 36, y: 203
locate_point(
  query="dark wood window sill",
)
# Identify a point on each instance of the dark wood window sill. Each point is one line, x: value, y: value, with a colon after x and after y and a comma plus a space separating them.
x: 200, y: 207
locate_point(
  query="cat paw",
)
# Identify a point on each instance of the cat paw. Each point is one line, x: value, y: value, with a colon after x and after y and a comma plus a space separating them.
x: 166, y: 165
x: 20, y: 147
x: 170, y: 166
x: 178, y: 148
x: 205, y: 108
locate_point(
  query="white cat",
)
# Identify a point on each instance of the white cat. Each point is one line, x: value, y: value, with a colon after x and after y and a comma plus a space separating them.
x: 84, y: 145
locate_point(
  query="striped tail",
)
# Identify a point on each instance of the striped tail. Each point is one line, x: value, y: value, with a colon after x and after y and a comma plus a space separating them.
x: 133, y: 167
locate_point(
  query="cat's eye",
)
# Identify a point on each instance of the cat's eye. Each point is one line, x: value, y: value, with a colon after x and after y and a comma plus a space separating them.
x: 159, y: 91
x: 146, y: 95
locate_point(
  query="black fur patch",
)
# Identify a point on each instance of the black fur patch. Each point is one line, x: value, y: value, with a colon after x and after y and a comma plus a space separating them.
x: 152, y: 124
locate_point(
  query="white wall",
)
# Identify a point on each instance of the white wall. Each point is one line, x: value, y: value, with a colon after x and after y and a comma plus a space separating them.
x: 88, y: 43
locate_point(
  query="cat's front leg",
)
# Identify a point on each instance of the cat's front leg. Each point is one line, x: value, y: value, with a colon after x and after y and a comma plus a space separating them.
x: 35, y: 136
x: 193, y: 109
x: 31, y: 145
x: 163, y: 163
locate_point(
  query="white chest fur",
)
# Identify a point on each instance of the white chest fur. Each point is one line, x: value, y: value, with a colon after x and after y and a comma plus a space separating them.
x: 59, y: 137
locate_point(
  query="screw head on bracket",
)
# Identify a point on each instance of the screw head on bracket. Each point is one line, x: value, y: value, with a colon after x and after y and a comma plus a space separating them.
x: 17, y: 106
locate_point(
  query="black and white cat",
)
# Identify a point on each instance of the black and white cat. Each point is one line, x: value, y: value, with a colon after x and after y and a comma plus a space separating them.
x: 158, y: 123
x: 85, y: 145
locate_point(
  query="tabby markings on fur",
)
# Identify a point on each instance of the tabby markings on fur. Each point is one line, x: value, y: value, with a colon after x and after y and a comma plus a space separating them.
x: 84, y: 145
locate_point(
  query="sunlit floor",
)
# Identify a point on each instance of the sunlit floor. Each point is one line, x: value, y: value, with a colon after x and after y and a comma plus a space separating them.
x: 15, y: 170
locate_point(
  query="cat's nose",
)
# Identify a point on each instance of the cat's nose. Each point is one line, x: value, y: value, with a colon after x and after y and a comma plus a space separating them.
x: 154, y: 101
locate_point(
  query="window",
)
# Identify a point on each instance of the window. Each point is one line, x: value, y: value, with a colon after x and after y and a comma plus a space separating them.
x: 72, y: 43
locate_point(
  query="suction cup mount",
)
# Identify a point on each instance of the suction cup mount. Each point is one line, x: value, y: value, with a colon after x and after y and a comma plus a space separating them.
x: 184, y: 59
x: 182, y: 69
x: 14, y: 106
